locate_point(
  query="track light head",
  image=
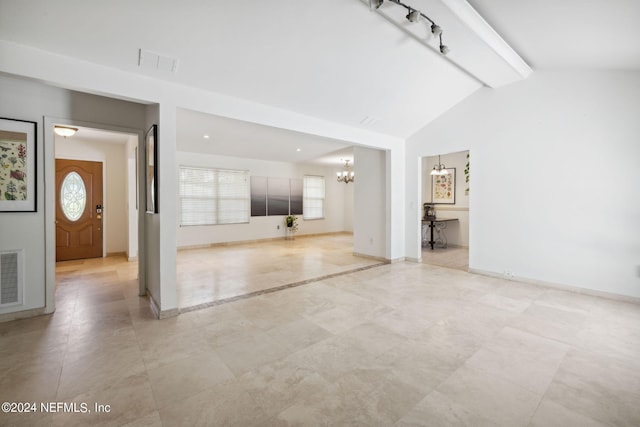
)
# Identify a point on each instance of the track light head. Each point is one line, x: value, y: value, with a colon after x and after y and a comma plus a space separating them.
x: 413, y: 15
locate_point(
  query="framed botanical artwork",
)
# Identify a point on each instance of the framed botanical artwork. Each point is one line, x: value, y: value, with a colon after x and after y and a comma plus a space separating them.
x: 443, y: 188
x: 151, y: 150
x: 17, y: 165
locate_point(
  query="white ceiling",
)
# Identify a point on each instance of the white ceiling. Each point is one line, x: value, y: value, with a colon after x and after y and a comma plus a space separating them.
x: 562, y: 34
x: 333, y: 59
x: 230, y: 137
x: 96, y: 135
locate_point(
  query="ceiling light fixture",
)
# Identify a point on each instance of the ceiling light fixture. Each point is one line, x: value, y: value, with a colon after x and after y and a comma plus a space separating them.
x: 65, y: 130
x: 439, y: 169
x: 347, y: 175
x: 414, y: 15
x: 205, y: 136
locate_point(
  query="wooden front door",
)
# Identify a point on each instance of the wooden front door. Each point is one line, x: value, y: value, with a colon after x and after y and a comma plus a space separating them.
x: 78, y: 209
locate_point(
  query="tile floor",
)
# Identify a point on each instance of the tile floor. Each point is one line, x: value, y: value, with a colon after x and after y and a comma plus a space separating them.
x: 450, y: 257
x: 396, y: 345
x: 219, y: 272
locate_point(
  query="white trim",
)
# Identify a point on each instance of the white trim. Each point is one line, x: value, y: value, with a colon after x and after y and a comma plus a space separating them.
x: 476, y: 23
x: 560, y: 286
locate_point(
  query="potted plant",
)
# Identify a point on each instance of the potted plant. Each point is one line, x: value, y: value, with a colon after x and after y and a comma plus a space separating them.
x: 292, y: 224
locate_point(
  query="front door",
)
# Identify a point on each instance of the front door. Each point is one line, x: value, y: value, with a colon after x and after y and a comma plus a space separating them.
x: 78, y: 209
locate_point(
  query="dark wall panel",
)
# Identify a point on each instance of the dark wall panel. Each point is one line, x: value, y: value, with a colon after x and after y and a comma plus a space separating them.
x: 258, y: 196
x: 278, y: 196
x: 296, y: 197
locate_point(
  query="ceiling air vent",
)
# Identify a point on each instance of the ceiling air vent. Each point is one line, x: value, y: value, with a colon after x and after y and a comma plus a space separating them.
x: 369, y: 121
x: 155, y: 62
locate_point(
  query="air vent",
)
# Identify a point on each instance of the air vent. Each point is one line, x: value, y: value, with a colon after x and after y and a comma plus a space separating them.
x: 156, y: 62
x: 11, y: 282
x: 369, y: 121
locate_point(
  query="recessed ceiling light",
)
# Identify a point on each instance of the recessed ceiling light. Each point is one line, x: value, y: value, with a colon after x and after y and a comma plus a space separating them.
x: 205, y: 136
x: 298, y: 149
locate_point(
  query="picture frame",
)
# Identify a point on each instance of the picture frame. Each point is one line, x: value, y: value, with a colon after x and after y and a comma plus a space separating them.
x: 151, y: 172
x: 18, y: 165
x: 443, y: 188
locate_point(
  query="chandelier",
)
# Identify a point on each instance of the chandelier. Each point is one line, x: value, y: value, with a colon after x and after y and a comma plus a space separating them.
x: 347, y: 174
x: 439, y: 169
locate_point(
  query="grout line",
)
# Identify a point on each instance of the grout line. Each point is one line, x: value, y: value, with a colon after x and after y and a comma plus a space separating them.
x: 274, y: 289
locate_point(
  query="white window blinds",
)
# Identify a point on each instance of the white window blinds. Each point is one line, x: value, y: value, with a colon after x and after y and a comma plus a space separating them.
x: 313, y: 202
x: 213, y: 196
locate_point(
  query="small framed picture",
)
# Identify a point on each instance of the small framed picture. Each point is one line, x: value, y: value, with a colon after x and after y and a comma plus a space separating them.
x: 151, y: 150
x: 17, y: 165
x: 443, y: 188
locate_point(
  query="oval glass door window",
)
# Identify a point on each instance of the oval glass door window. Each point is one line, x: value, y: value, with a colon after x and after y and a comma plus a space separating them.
x: 73, y: 196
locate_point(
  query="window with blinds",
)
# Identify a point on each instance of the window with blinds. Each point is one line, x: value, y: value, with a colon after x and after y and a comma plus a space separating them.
x: 313, y: 201
x: 213, y: 196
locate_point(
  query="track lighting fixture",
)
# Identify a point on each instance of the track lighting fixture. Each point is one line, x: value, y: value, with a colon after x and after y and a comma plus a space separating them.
x: 414, y: 15
x: 443, y: 49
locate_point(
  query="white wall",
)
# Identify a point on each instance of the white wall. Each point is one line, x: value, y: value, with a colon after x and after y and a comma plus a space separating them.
x: 263, y: 227
x: 114, y: 173
x: 348, y: 206
x: 27, y: 100
x: 132, y: 197
x: 555, y: 178
x: 457, y: 233
x: 369, y: 205
x: 165, y: 97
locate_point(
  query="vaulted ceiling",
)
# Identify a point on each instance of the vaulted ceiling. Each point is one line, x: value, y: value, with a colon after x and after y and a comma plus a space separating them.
x: 335, y: 59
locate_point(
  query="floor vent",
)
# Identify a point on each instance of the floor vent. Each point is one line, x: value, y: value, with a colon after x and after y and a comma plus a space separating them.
x: 11, y: 282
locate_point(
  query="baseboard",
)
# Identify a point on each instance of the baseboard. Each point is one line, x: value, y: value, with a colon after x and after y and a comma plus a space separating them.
x: 17, y: 315
x: 376, y: 258
x: 411, y: 259
x: 160, y: 314
x: 559, y: 286
x: 118, y: 254
x: 153, y: 306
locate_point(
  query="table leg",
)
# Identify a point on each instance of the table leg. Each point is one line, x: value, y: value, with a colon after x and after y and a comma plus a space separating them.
x: 431, y: 242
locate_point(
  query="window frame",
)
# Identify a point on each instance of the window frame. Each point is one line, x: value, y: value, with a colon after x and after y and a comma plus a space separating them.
x: 305, y: 197
x: 216, y: 198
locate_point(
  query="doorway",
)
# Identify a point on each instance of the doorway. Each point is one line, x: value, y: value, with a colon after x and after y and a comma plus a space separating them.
x: 79, y: 204
x: 116, y: 152
x: 445, y: 191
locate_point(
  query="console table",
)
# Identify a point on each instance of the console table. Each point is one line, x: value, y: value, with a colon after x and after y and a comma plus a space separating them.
x: 439, y: 224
